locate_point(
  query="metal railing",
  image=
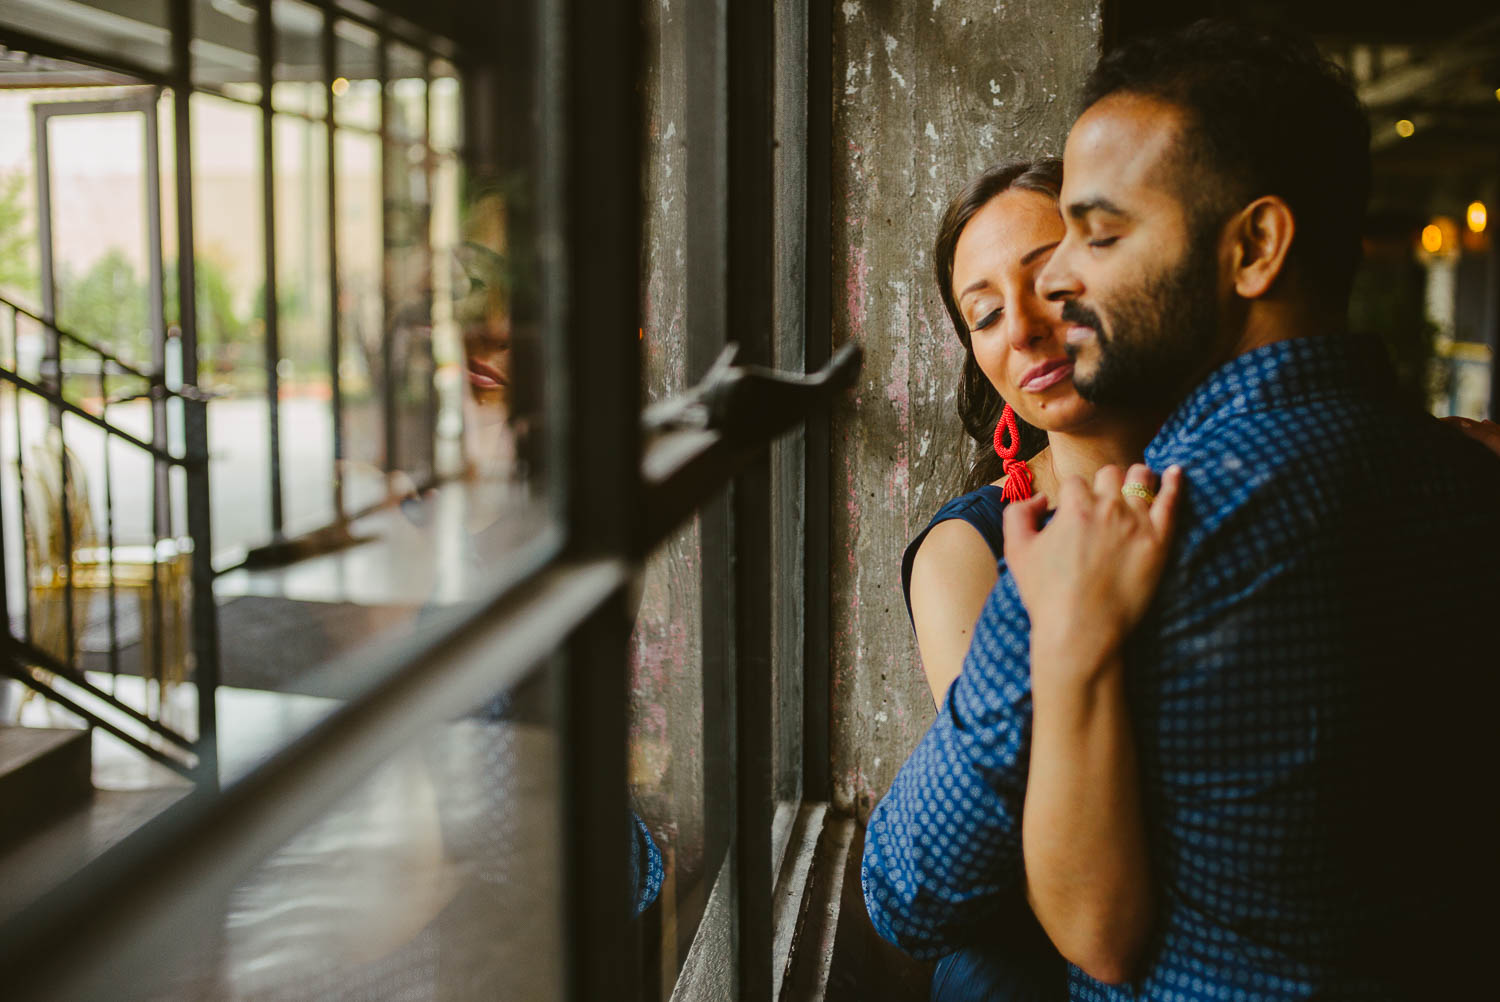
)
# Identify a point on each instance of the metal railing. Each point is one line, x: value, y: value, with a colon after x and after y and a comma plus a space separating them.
x: 61, y: 569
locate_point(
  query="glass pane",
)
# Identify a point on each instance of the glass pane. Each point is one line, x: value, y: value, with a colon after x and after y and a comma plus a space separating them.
x: 446, y: 127
x: 356, y: 88
x: 224, y: 51
x: 447, y: 341
x: 439, y: 877
x: 666, y: 734
x: 303, y: 288
x: 361, y: 317
x: 297, y: 78
x: 102, y: 253
x: 408, y: 262
x: 137, y: 31
x: 229, y: 261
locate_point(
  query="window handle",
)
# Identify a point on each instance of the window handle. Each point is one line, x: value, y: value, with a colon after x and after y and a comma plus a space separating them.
x: 751, y: 402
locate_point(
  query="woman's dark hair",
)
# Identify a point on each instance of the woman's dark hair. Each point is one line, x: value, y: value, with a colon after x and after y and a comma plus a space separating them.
x: 979, y: 403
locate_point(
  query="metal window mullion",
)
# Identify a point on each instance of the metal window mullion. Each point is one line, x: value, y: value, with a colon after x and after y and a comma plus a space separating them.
x: 15, y: 353
x: 335, y: 348
x: 817, y: 618
x: 705, y: 275
x: 20, y: 502
x: 195, y: 417
x: 266, y: 41
x: 387, y: 311
x: 109, y: 529
x: 788, y: 456
x: 751, y: 322
x: 590, y: 198
x: 431, y: 264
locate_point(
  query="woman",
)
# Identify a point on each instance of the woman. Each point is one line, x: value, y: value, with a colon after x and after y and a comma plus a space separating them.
x: 1082, y: 837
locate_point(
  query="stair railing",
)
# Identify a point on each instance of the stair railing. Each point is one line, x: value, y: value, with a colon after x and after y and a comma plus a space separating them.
x: 55, y: 569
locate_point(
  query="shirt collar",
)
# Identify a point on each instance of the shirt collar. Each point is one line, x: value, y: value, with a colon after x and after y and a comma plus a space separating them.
x: 1277, y: 375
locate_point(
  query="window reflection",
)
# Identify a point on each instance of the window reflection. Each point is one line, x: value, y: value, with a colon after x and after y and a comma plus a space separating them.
x: 229, y: 266
x: 303, y: 317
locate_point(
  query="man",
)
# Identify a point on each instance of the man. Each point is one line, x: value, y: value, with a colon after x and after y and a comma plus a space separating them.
x: 1312, y: 686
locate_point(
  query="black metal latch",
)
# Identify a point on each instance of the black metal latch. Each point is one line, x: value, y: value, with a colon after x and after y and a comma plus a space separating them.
x: 752, y: 402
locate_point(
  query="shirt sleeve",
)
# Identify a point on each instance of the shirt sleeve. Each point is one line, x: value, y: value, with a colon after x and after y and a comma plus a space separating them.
x: 943, y: 848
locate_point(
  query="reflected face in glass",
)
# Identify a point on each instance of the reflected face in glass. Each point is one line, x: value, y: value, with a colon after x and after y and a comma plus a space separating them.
x: 483, y: 309
x: 1017, y: 336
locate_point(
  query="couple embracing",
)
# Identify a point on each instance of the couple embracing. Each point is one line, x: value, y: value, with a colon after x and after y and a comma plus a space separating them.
x: 1226, y: 733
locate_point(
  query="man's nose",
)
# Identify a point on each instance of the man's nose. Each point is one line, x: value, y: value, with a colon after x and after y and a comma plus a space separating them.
x: 1027, y: 322
x: 1058, y: 280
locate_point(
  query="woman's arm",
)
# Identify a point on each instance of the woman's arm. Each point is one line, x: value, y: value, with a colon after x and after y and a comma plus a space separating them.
x: 951, y: 577
x: 1086, y: 580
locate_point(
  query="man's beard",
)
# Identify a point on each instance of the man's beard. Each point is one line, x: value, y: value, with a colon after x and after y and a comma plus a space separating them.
x: 1162, y: 335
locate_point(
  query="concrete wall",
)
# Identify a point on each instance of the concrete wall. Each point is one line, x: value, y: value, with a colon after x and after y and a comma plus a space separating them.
x: 925, y: 95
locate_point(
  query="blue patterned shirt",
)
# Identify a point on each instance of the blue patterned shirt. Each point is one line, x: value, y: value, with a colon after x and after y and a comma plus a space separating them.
x: 1311, y: 692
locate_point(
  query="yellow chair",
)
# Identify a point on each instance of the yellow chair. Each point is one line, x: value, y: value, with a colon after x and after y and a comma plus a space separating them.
x: 131, y: 567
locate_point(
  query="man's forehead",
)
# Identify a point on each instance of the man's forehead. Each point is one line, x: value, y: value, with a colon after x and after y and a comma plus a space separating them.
x: 1123, y: 143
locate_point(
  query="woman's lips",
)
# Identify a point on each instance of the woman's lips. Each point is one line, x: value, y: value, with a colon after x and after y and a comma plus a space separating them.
x: 1047, y: 375
x: 485, y: 376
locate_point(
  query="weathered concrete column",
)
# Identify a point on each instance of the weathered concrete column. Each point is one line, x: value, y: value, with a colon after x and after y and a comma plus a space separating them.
x: 925, y: 96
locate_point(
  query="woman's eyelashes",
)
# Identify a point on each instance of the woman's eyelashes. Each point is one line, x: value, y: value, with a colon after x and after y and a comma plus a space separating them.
x: 1101, y: 242
x: 987, y: 320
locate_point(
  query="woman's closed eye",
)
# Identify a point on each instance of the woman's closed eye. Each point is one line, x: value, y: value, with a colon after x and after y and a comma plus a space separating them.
x: 1100, y: 242
x: 985, y: 321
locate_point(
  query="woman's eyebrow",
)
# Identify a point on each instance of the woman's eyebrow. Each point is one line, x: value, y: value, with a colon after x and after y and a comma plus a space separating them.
x: 974, y: 287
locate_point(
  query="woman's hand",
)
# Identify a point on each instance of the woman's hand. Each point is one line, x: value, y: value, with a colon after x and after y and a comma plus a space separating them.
x: 1087, y: 578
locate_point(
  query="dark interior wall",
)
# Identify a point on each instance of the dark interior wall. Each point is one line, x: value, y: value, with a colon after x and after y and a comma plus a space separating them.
x: 925, y: 95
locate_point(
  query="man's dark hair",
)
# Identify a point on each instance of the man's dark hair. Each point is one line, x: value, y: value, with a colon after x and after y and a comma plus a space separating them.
x: 1266, y: 115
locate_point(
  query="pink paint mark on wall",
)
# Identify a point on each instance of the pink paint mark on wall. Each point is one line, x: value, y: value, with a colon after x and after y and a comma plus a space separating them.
x: 857, y: 285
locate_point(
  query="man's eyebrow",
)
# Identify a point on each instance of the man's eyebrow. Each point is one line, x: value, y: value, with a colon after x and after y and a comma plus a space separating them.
x: 1037, y: 252
x: 1098, y: 204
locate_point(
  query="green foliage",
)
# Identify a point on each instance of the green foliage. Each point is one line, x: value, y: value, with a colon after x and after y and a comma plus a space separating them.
x: 17, y: 246
x: 107, y: 305
x: 110, y: 306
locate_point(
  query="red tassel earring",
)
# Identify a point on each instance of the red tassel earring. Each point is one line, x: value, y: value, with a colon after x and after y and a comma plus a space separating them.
x: 1017, y: 474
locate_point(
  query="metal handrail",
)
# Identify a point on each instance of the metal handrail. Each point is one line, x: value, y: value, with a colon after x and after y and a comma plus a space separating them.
x: 25, y: 660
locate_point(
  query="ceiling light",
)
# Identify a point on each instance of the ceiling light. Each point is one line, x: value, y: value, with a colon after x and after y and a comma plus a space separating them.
x: 1404, y: 128
x: 1477, y: 216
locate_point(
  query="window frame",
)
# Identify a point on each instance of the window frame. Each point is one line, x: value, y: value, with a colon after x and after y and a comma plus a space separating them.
x: 758, y: 224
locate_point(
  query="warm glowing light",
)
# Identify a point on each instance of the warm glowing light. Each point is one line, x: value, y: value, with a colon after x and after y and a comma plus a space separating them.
x: 1478, y: 216
x: 340, y: 87
x: 1404, y: 128
x: 1432, y: 238
x: 1497, y: 93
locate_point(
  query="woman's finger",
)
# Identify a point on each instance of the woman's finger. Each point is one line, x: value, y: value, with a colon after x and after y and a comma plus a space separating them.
x: 1164, y: 508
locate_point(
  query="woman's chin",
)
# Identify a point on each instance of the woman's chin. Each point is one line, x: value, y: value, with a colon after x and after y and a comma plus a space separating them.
x: 1063, y: 412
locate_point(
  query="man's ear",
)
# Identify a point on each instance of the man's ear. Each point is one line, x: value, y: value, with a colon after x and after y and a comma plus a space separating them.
x: 1262, y: 234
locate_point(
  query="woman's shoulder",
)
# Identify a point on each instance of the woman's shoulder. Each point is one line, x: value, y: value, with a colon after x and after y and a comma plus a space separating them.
x: 982, y: 508
x: 951, y: 530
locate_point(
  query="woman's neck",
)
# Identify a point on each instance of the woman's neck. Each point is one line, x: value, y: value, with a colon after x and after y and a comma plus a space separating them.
x: 1081, y: 454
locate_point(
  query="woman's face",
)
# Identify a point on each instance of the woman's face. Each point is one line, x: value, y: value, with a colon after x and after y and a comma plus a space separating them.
x: 1017, y: 336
